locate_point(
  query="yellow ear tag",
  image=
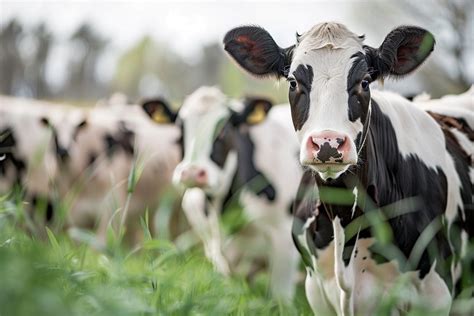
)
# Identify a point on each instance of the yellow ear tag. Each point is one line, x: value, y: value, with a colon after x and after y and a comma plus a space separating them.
x: 160, y: 117
x: 257, y: 115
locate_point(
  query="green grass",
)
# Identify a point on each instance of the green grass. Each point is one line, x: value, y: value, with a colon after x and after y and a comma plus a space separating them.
x: 59, y: 275
x: 54, y: 272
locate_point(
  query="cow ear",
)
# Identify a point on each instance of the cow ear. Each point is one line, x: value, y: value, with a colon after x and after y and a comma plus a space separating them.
x: 254, y: 49
x: 254, y: 112
x: 159, y: 111
x: 403, y: 50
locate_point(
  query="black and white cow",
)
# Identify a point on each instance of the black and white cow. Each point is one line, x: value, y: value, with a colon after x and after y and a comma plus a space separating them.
x: 247, y: 151
x: 112, y: 141
x: 27, y: 160
x: 392, y: 157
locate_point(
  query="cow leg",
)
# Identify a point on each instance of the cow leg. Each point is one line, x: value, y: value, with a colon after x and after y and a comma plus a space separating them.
x: 284, y: 260
x: 344, y: 282
x: 434, y: 292
x: 206, y: 227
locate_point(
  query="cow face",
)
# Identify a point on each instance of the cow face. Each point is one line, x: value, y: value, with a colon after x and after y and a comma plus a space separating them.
x: 329, y: 72
x: 211, y: 131
x: 65, y: 126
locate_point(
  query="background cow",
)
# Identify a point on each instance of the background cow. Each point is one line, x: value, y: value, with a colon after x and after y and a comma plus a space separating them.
x: 384, y: 151
x: 244, y: 151
x: 28, y: 166
x: 79, y: 161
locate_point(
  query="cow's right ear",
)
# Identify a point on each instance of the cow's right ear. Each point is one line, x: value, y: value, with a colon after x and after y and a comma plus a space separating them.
x: 254, y: 49
x: 403, y: 50
x: 159, y: 111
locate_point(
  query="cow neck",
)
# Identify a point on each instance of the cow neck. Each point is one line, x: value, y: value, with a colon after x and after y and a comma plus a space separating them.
x: 222, y: 200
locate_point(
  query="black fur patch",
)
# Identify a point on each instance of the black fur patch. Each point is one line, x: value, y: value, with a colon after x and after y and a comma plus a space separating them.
x: 300, y: 97
x: 123, y: 139
x: 387, y: 177
x: 8, y: 144
x: 358, y: 98
x: 326, y: 152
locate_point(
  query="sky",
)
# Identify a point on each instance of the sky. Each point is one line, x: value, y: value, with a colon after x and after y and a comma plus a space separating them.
x: 188, y: 25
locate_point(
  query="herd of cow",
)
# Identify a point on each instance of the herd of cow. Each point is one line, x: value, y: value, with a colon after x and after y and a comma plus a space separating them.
x: 358, y: 155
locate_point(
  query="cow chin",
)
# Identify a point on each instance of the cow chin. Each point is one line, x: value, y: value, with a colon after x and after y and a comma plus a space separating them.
x: 330, y: 171
x: 327, y: 171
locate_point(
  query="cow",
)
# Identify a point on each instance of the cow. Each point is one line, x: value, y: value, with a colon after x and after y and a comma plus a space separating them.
x: 239, y: 150
x: 27, y: 163
x: 112, y: 143
x: 397, y: 176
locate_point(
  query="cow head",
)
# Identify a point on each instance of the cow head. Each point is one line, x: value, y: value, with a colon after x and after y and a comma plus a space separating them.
x: 329, y: 71
x: 65, y: 126
x: 211, y: 126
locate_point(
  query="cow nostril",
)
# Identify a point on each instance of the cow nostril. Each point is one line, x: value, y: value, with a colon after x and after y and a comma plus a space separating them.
x: 340, y: 142
x: 201, y: 174
x: 314, y: 143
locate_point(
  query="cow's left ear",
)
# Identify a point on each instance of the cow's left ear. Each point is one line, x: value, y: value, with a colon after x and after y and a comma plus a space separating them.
x: 255, y: 111
x: 159, y: 111
x: 403, y: 50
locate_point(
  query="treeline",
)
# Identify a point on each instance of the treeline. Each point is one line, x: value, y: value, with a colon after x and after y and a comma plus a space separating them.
x: 30, y: 56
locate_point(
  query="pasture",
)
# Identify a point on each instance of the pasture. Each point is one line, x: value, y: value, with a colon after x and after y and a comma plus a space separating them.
x: 68, y: 273
x: 203, y: 158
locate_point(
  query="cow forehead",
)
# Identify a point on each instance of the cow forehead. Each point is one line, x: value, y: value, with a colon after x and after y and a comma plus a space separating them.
x: 202, y: 101
x: 327, y: 47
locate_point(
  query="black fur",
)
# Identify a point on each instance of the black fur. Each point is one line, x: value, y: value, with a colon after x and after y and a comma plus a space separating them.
x: 11, y: 160
x: 234, y: 135
x: 150, y: 106
x: 387, y: 177
x: 300, y: 97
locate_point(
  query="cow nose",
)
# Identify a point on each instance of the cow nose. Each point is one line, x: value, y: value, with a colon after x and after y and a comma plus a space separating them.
x: 328, y: 147
x: 63, y: 154
x: 194, y: 177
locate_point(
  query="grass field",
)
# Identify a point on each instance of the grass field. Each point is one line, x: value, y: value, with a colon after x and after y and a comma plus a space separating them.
x: 60, y: 275
x: 64, y: 273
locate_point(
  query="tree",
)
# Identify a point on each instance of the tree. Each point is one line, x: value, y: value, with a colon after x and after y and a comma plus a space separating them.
x: 11, y: 63
x: 87, y: 47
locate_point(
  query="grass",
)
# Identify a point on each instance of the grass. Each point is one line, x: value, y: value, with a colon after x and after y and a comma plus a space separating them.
x: 61, y: 275
x: 57, y: 272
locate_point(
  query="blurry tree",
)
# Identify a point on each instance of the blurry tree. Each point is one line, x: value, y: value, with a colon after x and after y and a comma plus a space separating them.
x: 150, y: 68
x: 37, y: 65
x: 450, y: 69
x: 11, y: 64
x: 87, y: 47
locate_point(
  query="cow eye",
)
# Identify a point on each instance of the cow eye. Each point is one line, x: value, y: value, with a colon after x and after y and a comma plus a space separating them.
x: 293, y: 83
x: 365, y: 85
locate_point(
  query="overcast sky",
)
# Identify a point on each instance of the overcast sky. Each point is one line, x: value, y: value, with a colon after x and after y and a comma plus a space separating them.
x: 184, y: 24
x: 188, y: 25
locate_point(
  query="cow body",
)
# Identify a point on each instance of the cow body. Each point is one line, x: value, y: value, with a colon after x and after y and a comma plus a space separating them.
x: 397, y: 170
x: 116, y: 142
x: 82, y: 159
x: 27, y: 159
x: 236, y: 151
